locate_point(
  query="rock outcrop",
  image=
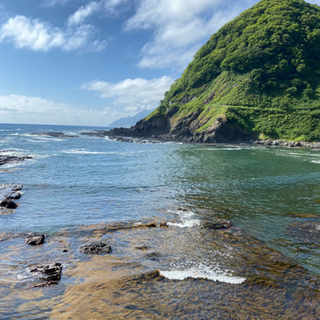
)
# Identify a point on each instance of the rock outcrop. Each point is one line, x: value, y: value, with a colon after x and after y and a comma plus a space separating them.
x: 95, y: 248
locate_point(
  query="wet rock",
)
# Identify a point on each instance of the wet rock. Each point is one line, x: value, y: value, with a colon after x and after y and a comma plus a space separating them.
x: 53, y: 135
x: 50, y: 273
x: 15, y: 196
x: 17, y: 187
x: 153, y: 256
x: 304, y: 215
x: 4, y: 159
x: 143, y: 247
x: 220, y: 224
x: 44, y: 285
x: 95, y: 248
x: 8, y: 193
x: 35, y: 238
x: 9, y: 204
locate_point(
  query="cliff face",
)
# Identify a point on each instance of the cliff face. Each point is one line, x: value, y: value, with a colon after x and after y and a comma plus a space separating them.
x: 259, y: 75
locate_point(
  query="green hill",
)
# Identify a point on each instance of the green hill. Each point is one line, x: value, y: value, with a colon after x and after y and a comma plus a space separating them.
x: 259, y: 75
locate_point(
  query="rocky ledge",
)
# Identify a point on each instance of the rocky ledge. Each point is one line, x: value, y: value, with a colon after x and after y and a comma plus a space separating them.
x: 53, y: 135
x: 288, y: 144
x: 5, y: 159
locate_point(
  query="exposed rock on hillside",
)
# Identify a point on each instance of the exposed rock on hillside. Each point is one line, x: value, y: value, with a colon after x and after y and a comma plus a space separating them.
x: 258, y: 76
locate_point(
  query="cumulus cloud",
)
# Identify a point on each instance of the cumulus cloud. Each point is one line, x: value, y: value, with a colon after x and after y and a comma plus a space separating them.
x: 40, y: 36
x: 180, y: 27
x: 132, y: 95
x: 35, y: 110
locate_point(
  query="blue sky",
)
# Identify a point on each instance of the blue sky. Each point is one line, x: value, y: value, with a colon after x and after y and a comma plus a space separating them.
x: 82, y: 62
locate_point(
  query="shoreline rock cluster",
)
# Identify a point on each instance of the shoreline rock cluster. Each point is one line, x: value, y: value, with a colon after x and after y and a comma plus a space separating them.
x: 7, y: 195
x: 288, y: 144
x: 160, y: 139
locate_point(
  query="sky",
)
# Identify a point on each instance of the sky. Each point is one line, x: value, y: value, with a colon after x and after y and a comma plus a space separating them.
x: 82, y: 62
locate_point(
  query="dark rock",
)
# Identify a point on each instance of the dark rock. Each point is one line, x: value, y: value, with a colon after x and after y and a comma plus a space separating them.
x: 143, y: 247
x: 50, y: 272
x: 9, y: 204
x: 53, y: 135
x: 44, y: 285
x: 95, y: 248
x: 220, y: 224
x: 7, y: 159
x: 209, y: 98
x: 14, y: 196
x: 65, y: 250
x: 35, y: 238
x: 17, y: 187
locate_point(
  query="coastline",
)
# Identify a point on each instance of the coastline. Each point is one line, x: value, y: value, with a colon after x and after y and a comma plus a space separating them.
x: 159, y: 139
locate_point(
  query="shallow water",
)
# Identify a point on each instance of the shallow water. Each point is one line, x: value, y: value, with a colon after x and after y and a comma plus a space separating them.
x: 84, y: 189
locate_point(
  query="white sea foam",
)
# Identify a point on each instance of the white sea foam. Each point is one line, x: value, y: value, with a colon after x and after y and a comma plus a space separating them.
x: 186, y: 218
x: 182, y: 275
x: 315, y: 161
x: 81, y: 151
x: 185, y: 224
x: 202, y: 271
x: 222, y: 149
x: 41, y: 138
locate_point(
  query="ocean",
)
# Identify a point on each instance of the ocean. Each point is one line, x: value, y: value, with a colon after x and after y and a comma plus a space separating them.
x: 149, y: 201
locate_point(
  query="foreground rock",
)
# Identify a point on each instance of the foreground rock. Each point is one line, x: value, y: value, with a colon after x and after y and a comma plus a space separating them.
x: 34, y: 239
x: 53, y: 135
x: 51, y: 273
x: 96, y: 248
x: 220, y: 224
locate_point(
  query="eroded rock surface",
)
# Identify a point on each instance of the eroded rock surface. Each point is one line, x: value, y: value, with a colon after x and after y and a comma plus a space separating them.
x: 51, y: 273
x: 96, y: 248
x: 219, y: 224
x: 35, y: 239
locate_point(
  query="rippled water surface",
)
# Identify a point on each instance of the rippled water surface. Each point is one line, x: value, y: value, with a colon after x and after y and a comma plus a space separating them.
x: 149, y: 202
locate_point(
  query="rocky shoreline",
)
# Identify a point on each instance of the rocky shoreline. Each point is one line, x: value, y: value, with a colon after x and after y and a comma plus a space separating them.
x: 160, y: 139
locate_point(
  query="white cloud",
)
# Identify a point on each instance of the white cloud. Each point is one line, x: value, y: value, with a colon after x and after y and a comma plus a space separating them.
x: 180, y: 27
x: 82, y: 13
x: 35, y: 110
x: 52, y: 3
x: 132, y: 95
x: 106, y: 6
x: 40, y: 36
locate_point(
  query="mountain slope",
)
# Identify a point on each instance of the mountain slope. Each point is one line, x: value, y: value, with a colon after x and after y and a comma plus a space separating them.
x: 129, y: 121
x: 257, y: 76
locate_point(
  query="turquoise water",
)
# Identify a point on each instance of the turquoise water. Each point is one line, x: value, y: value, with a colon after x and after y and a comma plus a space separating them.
x: 83, y: 181
x: 84, y: 189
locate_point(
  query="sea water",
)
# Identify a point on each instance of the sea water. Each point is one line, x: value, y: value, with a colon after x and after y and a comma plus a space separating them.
x: 77, y: 189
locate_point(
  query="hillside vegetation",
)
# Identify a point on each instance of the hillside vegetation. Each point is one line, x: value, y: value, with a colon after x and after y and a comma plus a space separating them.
x: 260, y: 72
